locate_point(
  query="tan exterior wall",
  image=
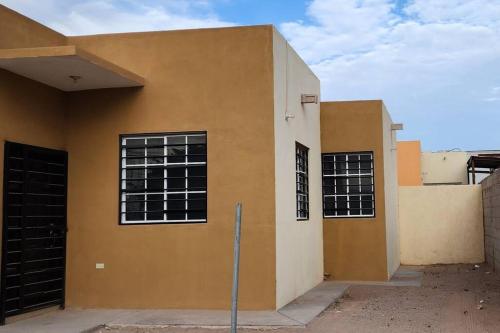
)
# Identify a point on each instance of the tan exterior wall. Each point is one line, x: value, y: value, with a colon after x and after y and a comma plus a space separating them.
x: 355, y: 248
x: 17, y: 31
x: 30, y: 112
x: 441, y: 224
x: 216, y: 80
x: 299, y: 244
x: 444, y: 168
x: 391, y: 193
x: 409, y: 164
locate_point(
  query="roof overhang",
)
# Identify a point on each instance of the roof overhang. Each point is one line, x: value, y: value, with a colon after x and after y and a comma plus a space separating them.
x: 484, y: 161
x: 67, y: 68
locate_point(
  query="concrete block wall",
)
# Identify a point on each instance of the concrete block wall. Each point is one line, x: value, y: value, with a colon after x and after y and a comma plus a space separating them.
x: 491, y: 202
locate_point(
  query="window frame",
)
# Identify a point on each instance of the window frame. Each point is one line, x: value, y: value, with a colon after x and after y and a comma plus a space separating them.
x: 374, y: 215
x: 120, y: 177
x: 299, y: 145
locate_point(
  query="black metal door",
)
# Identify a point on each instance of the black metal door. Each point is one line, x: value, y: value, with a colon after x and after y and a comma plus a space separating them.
x: 34, y: 229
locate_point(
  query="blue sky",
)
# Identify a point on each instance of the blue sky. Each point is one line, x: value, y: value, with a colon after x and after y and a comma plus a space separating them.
x: 435, y: 63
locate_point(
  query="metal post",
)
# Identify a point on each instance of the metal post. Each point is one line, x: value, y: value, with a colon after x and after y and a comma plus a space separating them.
x: 236, y: 268
x: 473, y: 172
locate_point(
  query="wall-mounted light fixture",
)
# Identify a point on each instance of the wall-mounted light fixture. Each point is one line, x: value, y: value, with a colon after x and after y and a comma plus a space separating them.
x: 397, y: 127
x: 75, y: 78
x: 308, y: 98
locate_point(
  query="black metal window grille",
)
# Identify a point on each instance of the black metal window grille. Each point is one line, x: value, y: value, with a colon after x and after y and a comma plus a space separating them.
x: 163, y: 178
x: 34, y: 229
x: 302, y: 181
x: 348, y: 188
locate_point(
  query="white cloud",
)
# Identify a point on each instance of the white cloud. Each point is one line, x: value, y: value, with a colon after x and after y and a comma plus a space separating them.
x: 494, y: 95
x: 482, y: 12
x: 432, y: 61
x: 77, y: 17
x: 337, y: 22
x: 436, y: 63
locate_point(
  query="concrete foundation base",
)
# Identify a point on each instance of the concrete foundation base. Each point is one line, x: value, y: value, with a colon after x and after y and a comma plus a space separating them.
x: 296, y: 314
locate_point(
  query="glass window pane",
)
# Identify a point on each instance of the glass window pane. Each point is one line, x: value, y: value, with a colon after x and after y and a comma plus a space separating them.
x: 135, y: 174
x: 176, y: 139
x: 328, y: 168
x: 134, y: 207
x: 367, y: 211
x: 135, y: 185
x: 197, y: 203
x: 348, y: 192
x: 197, y: 153
x: 176, y: 179
x: 176, y: 207
x: 130, y: 142
x: 168, y: 187
x: 197, y: 139
x: 176, y: 154
x: 340, y: 168
x: 157, y: 155
x: 155, y: 207
x: 197, y: 180
x: 366, y: 167
x: 328, y: 190
x: 301, y: 178
x: 155, y: 180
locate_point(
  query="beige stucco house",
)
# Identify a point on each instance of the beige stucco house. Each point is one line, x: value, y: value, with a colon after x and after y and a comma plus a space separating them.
x: 125, y: 154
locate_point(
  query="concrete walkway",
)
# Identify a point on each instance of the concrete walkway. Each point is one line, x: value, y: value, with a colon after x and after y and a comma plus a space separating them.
x: 296, y: 314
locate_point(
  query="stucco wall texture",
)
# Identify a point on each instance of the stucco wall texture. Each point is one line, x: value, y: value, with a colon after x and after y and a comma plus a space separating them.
x: 491, y: 201
x: 409, y: 163
x: 356, y: 248
x: 391, y: 193
x: 444, y: 168
x: 195, y: 86
x: 299, y: 244
x: 215, y: 80
x: 30, y: 112
x: 441, y: 224
x: 18, y: 31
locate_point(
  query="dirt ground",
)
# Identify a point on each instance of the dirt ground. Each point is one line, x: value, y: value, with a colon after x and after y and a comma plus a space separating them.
x: 453, y: 298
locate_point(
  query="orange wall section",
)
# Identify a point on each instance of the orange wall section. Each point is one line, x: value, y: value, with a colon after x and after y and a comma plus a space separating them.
x: 355, y: 248
x: 30, y: 112
x: 17, y: 31
x: 409, y: 163
x: 214, y: 80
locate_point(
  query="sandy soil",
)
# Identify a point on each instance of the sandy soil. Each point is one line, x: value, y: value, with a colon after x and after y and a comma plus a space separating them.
x: 453, y: 298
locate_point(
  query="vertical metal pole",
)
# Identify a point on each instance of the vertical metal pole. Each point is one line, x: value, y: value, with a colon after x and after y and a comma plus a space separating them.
x: 473, y: 172
x: 236, y: 268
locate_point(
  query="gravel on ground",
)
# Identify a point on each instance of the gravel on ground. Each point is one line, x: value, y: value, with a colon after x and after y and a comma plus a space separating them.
x: 453, y: 298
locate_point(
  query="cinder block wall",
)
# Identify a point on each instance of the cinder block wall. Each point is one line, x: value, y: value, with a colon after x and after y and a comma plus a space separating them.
x: 491, y: 202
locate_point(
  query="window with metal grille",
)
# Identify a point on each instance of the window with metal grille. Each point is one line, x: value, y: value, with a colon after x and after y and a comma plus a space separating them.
x: 348, y: 188
x: 302, y: 181
x: 163, y: 178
